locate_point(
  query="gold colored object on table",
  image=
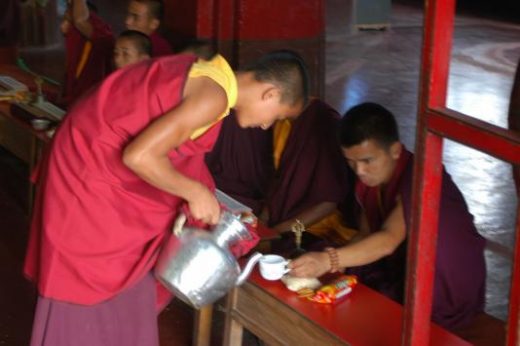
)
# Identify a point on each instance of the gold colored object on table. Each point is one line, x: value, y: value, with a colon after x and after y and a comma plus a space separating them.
x: 19, y: 96
x: 298, y: 228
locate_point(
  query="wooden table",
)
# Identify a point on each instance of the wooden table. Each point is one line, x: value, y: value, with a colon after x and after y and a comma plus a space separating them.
x: 17, y: 135
x: 279, y: 317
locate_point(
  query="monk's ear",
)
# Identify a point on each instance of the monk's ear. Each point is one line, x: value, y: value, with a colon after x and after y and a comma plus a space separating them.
x: 395, y: 150
x: 271, y: 93
x: 154, y: 24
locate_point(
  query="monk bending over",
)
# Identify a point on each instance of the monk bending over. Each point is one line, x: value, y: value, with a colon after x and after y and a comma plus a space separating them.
x: 120, y: 166
x: 370, y: 143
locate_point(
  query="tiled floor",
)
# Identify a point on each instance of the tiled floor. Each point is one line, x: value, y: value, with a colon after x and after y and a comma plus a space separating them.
x: 380, y: 66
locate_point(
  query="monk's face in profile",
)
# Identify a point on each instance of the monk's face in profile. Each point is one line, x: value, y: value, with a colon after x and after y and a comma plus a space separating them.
x: 127, y: 53
x: 372, y: 162
x: 140, y: 19
x: 265, y: 106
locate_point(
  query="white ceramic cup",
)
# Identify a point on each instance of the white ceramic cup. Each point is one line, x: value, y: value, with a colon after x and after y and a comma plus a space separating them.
x: 273, y: 267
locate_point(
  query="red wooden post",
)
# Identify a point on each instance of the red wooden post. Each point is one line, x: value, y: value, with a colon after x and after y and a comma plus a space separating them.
x: 436, y: 121
x: 437, y: 38
x: 422, y: 242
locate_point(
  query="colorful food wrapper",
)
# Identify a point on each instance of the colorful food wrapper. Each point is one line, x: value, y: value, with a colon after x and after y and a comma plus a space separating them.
x: 331, y: 292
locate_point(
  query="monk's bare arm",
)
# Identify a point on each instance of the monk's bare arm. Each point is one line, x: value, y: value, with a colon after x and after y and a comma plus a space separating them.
x: 147, y: 154
x: 365, y: 251
x: 309, y: 216
x: 80, y: 18
x: 378, y: 244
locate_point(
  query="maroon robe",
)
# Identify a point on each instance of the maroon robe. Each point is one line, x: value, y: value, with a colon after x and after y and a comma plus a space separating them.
x: 312, y: 168
x: 99, y: 61
x: 241, y: 162
x: 459, y: 283
x: 160, y: 46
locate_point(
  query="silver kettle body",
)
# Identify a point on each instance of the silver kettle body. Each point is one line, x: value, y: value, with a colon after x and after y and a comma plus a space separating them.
x: 197, y: 266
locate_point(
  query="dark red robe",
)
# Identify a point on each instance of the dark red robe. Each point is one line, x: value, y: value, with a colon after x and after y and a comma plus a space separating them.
x: 97, y: 227
x: 242, y: 162
x: 99, y: 62
x: 312, y: 168
x: 160, y: 46
x: 460, y: 276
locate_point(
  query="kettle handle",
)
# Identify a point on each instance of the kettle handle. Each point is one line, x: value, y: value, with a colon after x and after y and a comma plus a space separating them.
x: 179, y: 224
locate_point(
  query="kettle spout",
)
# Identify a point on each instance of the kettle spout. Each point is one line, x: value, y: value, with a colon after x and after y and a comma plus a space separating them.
x: 248, y: 268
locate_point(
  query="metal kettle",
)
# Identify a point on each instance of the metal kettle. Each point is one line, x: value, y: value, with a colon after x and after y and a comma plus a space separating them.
x: 197, y: 266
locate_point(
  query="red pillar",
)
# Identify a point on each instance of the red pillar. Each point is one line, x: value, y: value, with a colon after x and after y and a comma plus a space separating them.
x: 244, y: 29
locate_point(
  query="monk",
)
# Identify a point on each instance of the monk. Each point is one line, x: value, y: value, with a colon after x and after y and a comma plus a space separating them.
x: 514, y: 119
x: 311, y: 177
x: 291, y: 171
x: 370, y: 143
x: 241, y: 163
x: 124, y: 161
x: 146, y: 16
x: 88, y: 47
x: 131, y: 47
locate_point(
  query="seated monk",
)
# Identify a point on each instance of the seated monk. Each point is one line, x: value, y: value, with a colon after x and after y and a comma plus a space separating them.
x: 514, y: 119
x: 146, y: 16
x: 131, y: 47
x: 370, y: 143
x: 293, y: 171
x: 241, y: 162
x: 311, y: 177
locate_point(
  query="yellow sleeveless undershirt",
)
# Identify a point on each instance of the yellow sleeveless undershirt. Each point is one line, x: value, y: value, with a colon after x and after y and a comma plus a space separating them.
x: 218, y: 70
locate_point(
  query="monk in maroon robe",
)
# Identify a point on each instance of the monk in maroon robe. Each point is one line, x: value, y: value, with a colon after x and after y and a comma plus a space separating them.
x: 125, y: 159
x: 241, y: 163
x: 89, y: 43
x: 370, y: 143
x: 146, y: 16
x: 514, y: 119
x: 311, y: 177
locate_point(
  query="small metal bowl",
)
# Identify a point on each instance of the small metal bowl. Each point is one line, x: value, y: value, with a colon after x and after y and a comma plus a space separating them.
x: 40, y: 124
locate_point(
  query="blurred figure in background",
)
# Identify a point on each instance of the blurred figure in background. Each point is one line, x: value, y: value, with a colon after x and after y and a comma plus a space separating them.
x: 146, y: 16
x: 131, y: 47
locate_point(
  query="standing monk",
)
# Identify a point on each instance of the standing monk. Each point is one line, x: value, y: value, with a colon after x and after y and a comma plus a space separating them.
x: 370, y: 143
x: 146, y: 16
x: 88, y: 47
x: 120, y: 165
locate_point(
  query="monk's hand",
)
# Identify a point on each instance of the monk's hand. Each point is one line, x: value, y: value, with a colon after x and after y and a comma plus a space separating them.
x: 204, y: 206
x: 310, y: 265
